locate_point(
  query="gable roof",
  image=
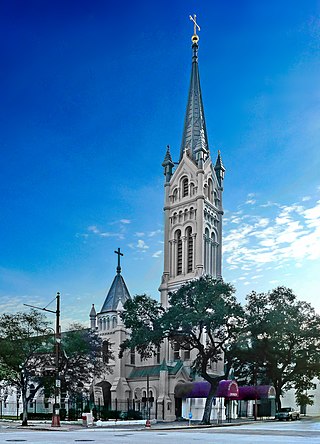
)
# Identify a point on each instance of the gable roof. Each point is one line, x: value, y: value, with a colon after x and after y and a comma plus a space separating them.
x: 154, y: 370
x: 118, y: 293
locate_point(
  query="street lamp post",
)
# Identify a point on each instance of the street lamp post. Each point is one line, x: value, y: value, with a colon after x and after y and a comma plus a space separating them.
x: 56, y: 414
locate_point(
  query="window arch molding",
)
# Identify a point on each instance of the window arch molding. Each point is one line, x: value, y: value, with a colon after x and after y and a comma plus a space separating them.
x: 184, y: 186
x: 175, y: 194
x: 214, y: 235
x: 191, y: 224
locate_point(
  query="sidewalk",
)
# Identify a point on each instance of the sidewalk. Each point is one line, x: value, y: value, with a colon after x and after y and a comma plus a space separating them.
x: 6, y: 425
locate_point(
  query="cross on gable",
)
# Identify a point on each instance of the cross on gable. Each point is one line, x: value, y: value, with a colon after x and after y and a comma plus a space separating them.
x: 118, y: 252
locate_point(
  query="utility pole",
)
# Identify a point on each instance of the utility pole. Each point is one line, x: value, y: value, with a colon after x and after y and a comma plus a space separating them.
x: 57, y: 383
x: 56, y: 407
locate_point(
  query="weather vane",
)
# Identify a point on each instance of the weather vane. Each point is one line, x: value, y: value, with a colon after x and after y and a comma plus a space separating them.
x: 195, y: 37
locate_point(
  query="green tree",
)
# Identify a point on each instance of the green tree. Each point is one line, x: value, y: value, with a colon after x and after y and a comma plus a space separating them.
x: 203, y: 315
x: 23, y: 338
x: 26, y: 356
x: 82, y: 359
x: 279, y: 343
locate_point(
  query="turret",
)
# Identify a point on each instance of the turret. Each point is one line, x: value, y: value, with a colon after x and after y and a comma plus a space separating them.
x: 219, y: 169
x: 168, y: 165
x: 93, y: 318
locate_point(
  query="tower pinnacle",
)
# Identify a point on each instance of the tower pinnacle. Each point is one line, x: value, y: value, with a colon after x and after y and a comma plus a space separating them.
x: 195, y: 37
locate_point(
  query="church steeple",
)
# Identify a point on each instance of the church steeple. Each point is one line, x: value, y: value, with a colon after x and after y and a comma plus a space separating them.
x: 118, y: 291
x: 193, y: 208
x: 195, y: 139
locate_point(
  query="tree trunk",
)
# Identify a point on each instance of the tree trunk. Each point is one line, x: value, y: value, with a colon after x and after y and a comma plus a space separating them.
x: 207, y: 409
x: 278, y: 398
x: 23, y: 384
x: 24, y: 407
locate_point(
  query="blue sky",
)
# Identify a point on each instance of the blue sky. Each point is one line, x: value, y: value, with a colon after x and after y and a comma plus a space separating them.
x: 91, y: 94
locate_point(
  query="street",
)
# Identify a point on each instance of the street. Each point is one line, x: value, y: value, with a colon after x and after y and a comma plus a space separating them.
x: 260, y: 433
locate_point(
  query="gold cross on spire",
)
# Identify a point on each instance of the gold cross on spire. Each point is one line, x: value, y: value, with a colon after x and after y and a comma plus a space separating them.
x: 195, y: 37
x: 195, y: 24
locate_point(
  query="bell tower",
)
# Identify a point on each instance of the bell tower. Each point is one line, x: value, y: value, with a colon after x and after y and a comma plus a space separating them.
x: 193, y: 197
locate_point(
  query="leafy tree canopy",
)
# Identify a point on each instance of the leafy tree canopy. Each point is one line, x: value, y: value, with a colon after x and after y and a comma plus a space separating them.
x: 280, y: 341
x: 27, y: 355
x: 81, y: 358
x: 23, y: 338
x: 203, y: 315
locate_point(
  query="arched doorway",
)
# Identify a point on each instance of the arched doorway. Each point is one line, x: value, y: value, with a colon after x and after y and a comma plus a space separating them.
x: 178, y: 407
x: 106, y: 393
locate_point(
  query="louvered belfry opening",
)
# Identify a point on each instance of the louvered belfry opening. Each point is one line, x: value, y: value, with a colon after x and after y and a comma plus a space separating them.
x: 189, y: 250
x: 179, y: 252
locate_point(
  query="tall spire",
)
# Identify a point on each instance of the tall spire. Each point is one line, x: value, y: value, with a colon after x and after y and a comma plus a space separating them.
x: 194, y: 139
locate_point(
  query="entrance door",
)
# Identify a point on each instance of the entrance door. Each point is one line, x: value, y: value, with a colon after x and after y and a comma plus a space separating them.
x: 178, y: 407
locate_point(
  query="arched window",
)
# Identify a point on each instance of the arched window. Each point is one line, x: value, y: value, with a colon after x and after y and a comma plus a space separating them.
x: 174, y: 218
x: 179, y: 251
x: 216, y: 199
x: 189, y: 249
x: 100, y: 324
x: 104, y: 323
x: 185, y: 187
x: 210, y: 189
x: 132, y: 356
x: 114, y: 322
x: 206, y: 250
x: 105, y: 352
x: 151, y: 399
x: 108, y: 323
x: 175, y: 195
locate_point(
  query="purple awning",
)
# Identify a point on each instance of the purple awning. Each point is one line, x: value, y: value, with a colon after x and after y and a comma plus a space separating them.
x: 200, y: 389
x: 227, y: 389
x: 248, y: 392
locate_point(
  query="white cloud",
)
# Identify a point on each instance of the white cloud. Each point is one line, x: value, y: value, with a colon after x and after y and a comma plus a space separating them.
x: 290, y: 233
x: 93, y: 229
x: 153, y: 233
x: 142, y: 245
x: 125, y: 221
x: 250, y: 199
x: 157, y: 253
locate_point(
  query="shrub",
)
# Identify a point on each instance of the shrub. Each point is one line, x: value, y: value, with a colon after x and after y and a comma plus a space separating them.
x: 134, y: 414
x: 72, y: 414
x: 63, y: 414
x: 32, y: 415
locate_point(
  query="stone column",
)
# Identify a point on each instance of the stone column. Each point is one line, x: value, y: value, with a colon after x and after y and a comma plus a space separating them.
x: 184, y: 254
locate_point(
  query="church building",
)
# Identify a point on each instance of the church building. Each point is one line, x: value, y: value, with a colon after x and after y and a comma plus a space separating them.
x: 193, y: 213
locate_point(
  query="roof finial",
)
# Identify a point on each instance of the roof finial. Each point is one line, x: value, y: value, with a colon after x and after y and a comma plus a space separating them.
x: 119, y: 254
x: 195, y: 37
